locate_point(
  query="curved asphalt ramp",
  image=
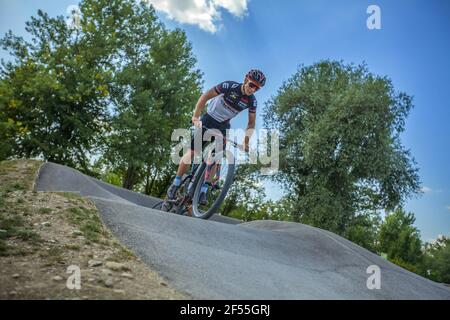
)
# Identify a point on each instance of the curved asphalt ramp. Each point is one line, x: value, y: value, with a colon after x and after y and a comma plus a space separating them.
x: 255, y: 260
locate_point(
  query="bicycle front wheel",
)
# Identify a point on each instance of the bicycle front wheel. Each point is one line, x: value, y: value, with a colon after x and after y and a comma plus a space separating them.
x: 218, y: 183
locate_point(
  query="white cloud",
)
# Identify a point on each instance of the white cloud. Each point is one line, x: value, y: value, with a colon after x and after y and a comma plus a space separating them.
x: 448, y: 207
x: 204, y: 13
x: 426, y: 189
x: 236, y: 7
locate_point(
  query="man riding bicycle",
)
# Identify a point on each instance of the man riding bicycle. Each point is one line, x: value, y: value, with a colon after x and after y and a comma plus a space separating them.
x: 229, y: 98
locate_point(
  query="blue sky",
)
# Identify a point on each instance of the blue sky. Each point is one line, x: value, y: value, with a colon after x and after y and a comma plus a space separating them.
x: 412, y: 48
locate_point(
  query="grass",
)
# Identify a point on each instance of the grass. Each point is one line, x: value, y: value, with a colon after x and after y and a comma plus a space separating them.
x: 122, y: 254
x: 7, y: 250
x: 45, y: 210
x: 18, y: 186
x: 71, y: 246
x: 53, y: 256
x: 2, y: 199
x: 88, y: 222
x: 29, y: 235
x: 15, y: 226
x: 10, y: 223
x: 16, y: 175
x: 3, y: 248
x: 71, y: 196
x: 6, y: 167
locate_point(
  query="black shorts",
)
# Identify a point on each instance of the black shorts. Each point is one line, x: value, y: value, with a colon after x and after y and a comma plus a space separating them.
x: 210, y: 123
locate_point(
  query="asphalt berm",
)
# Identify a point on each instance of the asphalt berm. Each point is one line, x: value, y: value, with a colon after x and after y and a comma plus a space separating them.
x: 222, y: 258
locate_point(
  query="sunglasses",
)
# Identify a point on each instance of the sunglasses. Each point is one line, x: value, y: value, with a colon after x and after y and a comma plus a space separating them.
x: 253, y: 86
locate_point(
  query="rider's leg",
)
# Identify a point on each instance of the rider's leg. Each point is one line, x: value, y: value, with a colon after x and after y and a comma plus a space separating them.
x: 182, y: 168
x: 211, y: 173
x: 210, y: 167
x: 183, y: 165
x: 185, y: 162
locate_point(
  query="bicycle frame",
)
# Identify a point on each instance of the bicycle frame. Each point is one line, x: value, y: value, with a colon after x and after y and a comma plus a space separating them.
x: 184, y: 202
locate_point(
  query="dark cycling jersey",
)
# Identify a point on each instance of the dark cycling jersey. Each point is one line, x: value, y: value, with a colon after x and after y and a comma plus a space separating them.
x: 230, y: 101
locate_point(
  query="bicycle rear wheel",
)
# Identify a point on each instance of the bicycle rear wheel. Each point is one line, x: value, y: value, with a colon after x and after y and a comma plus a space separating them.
x: 217, y: 189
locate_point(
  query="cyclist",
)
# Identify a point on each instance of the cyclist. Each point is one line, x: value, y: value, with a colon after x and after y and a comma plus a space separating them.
x: 228, y: 99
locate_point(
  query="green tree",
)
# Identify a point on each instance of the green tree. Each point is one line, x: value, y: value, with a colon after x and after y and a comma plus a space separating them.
x: 400, y: 240
x: 363, y: 230
x: 436, y: 263
x: 55, y: 92
x: 9, y: 128
x: 154, y: 91
x: 340, y: 151
x: 246, y: 194
x: 58, y: 96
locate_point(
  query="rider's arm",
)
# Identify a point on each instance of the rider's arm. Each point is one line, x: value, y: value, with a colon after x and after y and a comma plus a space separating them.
x: 250, y: 129
x: 211, y: 93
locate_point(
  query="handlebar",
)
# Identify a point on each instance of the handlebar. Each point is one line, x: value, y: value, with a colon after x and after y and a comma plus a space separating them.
x: 234, y: 144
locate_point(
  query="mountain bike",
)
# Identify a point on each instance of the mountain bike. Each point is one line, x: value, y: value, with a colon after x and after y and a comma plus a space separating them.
x: 217, y: 169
